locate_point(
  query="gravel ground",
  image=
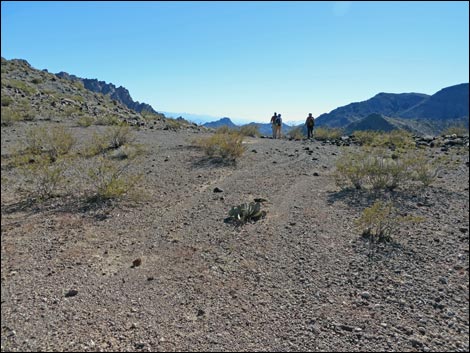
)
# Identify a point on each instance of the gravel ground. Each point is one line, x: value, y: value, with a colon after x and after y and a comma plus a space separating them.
x: 300, y: 279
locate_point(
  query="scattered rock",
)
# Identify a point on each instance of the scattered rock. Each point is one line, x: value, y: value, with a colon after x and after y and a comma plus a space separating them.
x: 218, y: 190
x: 137, y: 262
x: 71, y: 293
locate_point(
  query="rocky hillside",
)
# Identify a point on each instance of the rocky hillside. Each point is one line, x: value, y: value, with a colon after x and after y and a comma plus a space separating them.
x: 119, y: 94
x: 29, y: 94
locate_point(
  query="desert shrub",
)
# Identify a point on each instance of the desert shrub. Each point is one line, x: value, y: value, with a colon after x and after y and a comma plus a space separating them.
x: 85, y: 121
x: 380, y: 169
x: 53, y: 142
x: 106, y: 119
x: 366, y: 137
x: 228, y: 146
x: 323, y: 133
x: 381, y: 221
x: 424, y: 169
x: 245, y: 212
x: 6, y: 101
x: 399, y: 140
x: 128, y: 151
x: 110, y: 179
x: 374, y: 168
x: 22, y: 86
x: 250, y: 130
x: 224, y: 129
x: 44, y: 178
x: 118, y: 136
x: 458, y: 129
x: 9, y: 116
x: 297, y: 133
x: 112, y: 138
x: 36, y: 81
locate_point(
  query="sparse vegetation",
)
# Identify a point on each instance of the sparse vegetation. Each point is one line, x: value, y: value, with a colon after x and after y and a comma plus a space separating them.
x: 459, y: 130
x: 324, y: 134
x: 250, y: 130
x: 381, y: 221
x: 246, y: 212
x: 228, y: 146
x: 297, y: 133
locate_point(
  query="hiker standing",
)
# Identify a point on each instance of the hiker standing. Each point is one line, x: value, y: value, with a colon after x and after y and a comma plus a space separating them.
x: 273, y: 126
x: 278, y: 124
x: 310, y: 122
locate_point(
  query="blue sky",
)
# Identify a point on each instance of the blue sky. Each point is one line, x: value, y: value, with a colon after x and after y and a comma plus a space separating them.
x: 247, y: 59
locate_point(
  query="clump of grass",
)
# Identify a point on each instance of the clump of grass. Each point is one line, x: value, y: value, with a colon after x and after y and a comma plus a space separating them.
x: 10, y: 116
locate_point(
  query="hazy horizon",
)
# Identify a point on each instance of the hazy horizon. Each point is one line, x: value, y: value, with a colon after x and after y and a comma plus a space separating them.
x: 245, y: 60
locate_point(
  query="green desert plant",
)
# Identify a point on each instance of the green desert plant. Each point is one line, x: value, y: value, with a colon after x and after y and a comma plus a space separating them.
x: 228, y: 146
x: 52, y: 142
x: 323, y: 133
x: 297, y: 133
x: 250, y: 130
x: 381, y: 221
x: 246, y: 212
x: 110, y: 179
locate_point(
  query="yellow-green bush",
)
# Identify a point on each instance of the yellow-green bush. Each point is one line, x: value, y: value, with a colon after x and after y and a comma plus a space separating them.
x: 380, y: 169
x: 323, y: 133
x: 250, y: 130
x: 110, y: 179
x: 227, y: 146
x: 380, y: 221
x: 43, y: 178
x: 10, y: 116
x: 53, y: 142
x: 297, y: 133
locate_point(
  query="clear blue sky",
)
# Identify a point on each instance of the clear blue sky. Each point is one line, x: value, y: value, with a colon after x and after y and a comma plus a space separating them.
x: 246, y: 59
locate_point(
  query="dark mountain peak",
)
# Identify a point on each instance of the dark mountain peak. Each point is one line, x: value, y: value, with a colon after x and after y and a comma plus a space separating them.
x: 120, y: 94
x: 225, y: 121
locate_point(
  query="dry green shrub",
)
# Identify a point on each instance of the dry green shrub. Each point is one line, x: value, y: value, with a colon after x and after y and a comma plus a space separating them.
x: 380, y: 221
x: 10, y: 116
x: 228, y: 146
x: 43, y: 178
x: 324, y: 133
x: 6, y: 101
x: 457, y: 129
x: 24, y: 87
x: 366, y: 137
x: 112, y: 138
x: 107, y: 120
x: 110, y: 179
x: 224, y: 129
x: 53, y: 142
x: 250, y: 130
x: 380, y: 169
x: 297, y: 133
x: 86, y: 121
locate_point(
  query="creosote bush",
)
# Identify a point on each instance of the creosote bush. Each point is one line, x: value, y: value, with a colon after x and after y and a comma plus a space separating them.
x: 323, y: 133
x: 228, y: 146
x: 381, y: 221
x: 381, y: 169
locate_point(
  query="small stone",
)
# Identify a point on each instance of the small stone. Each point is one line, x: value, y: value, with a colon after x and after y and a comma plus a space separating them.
x: 71, y: 293
x: 137, y: 262
x: 218, y: 190
x: 365, y: 295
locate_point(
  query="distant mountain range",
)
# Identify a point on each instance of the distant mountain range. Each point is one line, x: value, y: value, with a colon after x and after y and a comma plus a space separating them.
x: 417, y: 112
x: 413, y: 111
